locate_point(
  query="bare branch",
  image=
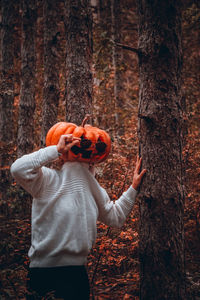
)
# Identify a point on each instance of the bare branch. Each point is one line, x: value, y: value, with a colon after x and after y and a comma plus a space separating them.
x: 126, y: 47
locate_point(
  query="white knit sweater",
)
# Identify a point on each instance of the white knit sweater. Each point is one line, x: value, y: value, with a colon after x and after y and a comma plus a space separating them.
x: 65, y: 209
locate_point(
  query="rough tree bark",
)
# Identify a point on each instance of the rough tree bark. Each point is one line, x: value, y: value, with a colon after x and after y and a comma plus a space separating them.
x: 117, y: 56
x: 7, y: 72
x: 160, y: 121
x: 9, y: 12
x: 51, y: 67
x: 27, y: 92
x: 79, y: 79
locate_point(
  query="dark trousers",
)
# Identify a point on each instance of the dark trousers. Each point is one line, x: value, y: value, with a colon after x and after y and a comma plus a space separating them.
x: 69, y: 283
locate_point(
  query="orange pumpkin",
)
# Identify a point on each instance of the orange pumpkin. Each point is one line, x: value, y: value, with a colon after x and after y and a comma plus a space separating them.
x: 94, y: 146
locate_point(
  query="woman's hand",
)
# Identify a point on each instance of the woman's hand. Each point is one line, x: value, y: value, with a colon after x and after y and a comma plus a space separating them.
x: 137, y: 175
x: 67, y: 141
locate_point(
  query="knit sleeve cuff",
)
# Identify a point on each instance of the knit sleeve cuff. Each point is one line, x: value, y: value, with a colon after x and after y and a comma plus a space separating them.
x: 51, y: 152
x: 131, y: 193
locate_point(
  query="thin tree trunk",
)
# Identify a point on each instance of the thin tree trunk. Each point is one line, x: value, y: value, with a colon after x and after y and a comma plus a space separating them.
x: 117, y: 65
x: 39, y: 66
x: 160, y: 122
x: 79, y: 79
x: 99, y: 10
x: 27, y: 92
x: 51, y: 66
x: 9, y: 11
x: 7, y: 72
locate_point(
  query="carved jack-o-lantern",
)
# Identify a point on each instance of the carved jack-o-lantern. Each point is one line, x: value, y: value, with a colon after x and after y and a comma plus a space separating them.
x: 94, y: 145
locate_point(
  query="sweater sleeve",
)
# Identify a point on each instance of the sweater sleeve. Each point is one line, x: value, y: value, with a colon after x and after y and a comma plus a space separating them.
x: 27, y: 169
x: 115, y: 213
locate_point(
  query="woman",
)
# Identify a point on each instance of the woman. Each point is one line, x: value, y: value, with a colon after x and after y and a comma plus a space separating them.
x: 66, y: 206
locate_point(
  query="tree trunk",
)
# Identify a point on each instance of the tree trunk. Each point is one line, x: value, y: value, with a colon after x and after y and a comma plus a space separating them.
x: 27, y: 92
x: 7, y: 72
x: 51, y: 66
x: 117, y: 65
x: 9, y: 11
x: 99, y: 10
x: 79, y: 79
x: 161, y: 251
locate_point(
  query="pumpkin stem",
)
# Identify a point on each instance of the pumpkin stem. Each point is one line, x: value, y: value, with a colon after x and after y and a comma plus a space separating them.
x: 85, y: 120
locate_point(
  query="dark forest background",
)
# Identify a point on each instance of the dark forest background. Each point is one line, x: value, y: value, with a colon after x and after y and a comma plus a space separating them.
x: 34, y: 44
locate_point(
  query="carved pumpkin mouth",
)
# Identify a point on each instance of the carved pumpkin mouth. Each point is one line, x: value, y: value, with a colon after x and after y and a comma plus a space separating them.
x: 100, y: 148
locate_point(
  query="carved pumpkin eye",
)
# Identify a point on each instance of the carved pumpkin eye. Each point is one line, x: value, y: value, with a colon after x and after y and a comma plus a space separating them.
x: 85, y: 143
x: 100, y: 146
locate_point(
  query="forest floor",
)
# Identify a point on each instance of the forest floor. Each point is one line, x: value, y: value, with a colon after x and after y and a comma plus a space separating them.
x: 117, y: 274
